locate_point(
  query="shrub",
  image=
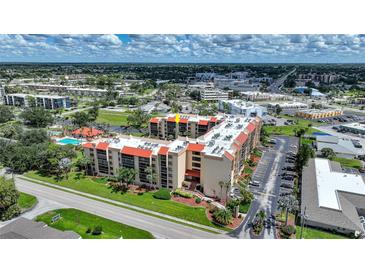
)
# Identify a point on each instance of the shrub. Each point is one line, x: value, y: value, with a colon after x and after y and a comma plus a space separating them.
x: 184, y: 194
x: 198, y: 200
x: 97, y: 230
x: 140, y: 193
x: 88, y: 230
x: 232, y: 204
x: 222, y: 216
x: 287, y: 231
x: 162, y: 194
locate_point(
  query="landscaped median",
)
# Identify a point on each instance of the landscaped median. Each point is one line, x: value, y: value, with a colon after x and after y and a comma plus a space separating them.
x: 26, y: 201
x: 90, y: 226
x: 89, y: 185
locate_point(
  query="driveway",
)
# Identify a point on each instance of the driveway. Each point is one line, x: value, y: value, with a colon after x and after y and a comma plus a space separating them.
x: 266, y: 195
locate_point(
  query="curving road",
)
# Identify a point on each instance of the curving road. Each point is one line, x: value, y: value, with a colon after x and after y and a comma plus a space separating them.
x: 158, y: 227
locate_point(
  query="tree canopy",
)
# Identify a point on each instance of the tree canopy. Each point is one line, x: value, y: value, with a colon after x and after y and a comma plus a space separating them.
x: 8, y: 200
x: 37, y: 117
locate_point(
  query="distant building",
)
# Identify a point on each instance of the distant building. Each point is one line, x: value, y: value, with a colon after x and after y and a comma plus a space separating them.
x: 241, y: 107
x: 332, y: 199
x: 218, y: 155
x: 357, y: 128
x: 344, y: 148
x: 313, y: 92
x: 319, y: 113
x: 264, y: 96
x: 155, y: 106
x: 23, y: 228
x: 213, y: 95
x: 43, y: 101
x: 287, y: 106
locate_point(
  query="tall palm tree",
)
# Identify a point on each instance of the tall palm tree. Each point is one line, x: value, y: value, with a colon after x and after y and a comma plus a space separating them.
x: 228, y: 187
x: 288, y: 203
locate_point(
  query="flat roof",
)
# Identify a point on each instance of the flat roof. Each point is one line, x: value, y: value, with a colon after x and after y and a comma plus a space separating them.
x: 329, y: 182
x: 24, y: 95
x: 319, y: 111
x: 358, y: 126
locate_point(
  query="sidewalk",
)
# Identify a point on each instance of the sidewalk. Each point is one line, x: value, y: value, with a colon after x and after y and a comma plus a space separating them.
x: 150, y: 212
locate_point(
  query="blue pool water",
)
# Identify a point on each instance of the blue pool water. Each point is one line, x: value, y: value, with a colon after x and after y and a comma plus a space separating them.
x: 69, y: 141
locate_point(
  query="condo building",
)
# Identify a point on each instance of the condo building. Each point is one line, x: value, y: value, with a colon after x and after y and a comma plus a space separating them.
x: 241, y: 107
x: 201, y: 162
x: 214, y: 94
x: 319, y: 113
x: 43, y: 101
x: 168, y: 128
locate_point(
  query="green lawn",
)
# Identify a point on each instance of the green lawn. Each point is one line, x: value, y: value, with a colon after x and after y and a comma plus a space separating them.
x: 79, y: 222
x: 300, y: 121
x: 112, y: 117
x: 312, y: 233
x: 353, y: 163
x: 288, y: 130
x: 172, y: 208
x: 26, y: 201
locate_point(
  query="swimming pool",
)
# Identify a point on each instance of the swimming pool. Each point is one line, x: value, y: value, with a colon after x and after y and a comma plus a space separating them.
x: 69, y: 141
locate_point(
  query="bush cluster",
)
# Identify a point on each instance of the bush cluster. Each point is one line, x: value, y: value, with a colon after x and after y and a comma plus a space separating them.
x: 162, y: 194
x: 184, y: 194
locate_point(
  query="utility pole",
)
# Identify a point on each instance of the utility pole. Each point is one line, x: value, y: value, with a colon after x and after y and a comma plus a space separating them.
x: 303, y: 220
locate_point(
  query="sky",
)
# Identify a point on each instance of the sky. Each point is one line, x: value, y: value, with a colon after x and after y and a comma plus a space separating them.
x: 248, y: 48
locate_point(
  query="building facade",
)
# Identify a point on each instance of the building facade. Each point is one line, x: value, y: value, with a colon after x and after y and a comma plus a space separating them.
x: 43, y: 101
x: 168, y: 128
x: 319, y: 113
x: 202, y: 162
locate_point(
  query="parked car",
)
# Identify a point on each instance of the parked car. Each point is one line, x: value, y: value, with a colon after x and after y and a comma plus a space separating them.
x: 254, y: 183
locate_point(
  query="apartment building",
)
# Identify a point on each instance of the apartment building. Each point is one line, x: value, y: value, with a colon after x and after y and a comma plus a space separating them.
x: 43, y: 101
x: 287, y: 106
x: 189, y: 125
x: 203, y: 162
x: 319, y: 113
x: 264, y: 96
x: 240, y: 107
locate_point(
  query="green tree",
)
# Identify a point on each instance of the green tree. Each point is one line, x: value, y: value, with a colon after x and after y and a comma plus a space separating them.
x: 8, y: 200
x: 304, y: 153
x: 81, y: 119
x: 278, y: 109
x: 37, y: 117
x: 288, y: 203
x: 151, y: 175
x: 137, y: 118
x: 82, y: 163
x: 6, y: 114
x: 328, y: 153
x: 34, y: 136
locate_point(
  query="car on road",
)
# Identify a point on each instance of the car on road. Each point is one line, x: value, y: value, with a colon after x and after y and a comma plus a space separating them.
x: 272, y: 141
x: 254, y: 183
x: 287, y: 185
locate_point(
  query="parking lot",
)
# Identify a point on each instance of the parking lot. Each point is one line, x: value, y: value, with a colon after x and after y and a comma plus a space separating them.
x: 267, y: 183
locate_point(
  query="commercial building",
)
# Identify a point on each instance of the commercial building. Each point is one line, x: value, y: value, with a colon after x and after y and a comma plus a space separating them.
x: 357, y: 128
x: 342, y: 147
x: 43, y: 101
x: 23, y: 228
x: 240, y: 107
x: 201, y: 162
x: 287, y: 105
x: 332, y: 199
x: 213, y: 94
x: 319, y: 113
x: 187, y: 125
x: 264, y: 96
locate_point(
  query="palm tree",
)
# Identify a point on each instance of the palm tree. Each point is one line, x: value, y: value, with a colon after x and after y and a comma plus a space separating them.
x: 151, y: 175
x: 228, y: 187
x: 126, y: 175
x: 221, y: 184
x: 288, y: 203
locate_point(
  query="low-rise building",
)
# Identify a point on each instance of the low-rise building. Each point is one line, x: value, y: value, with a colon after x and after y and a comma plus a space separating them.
x: 319, y: 113
x: 356, y: 128
x: 332, y: 199
x: 240, y: 107
x: 218, y: 155
x: 342, y: 147
x: 43, y: 101
x: 190, y: 125
x: 264, y: 96
x: 214, y: 94
x: 287, y: 105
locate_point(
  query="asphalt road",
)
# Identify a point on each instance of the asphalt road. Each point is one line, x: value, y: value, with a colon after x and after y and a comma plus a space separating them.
x: 158, y: 227
x: 266, y: 195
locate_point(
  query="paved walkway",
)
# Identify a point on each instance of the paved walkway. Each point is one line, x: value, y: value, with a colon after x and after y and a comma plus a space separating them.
x: 122, y: 204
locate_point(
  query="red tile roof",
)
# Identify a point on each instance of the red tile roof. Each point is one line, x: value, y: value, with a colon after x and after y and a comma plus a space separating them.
x: 203, y: 122
x: 88, y: 145
x: 87, y: 132
x: 192, y: 173
x: 195, y: 147
x: 241, y: 138
x: 229, y: 155
x: 139, y: 152
x: 154, y: 120
x: 183, y: 120
x: 102, y: 146
x: 213, y: 119
x: 171, y: 119
x: 163, y: 150
x: 251, y: 127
